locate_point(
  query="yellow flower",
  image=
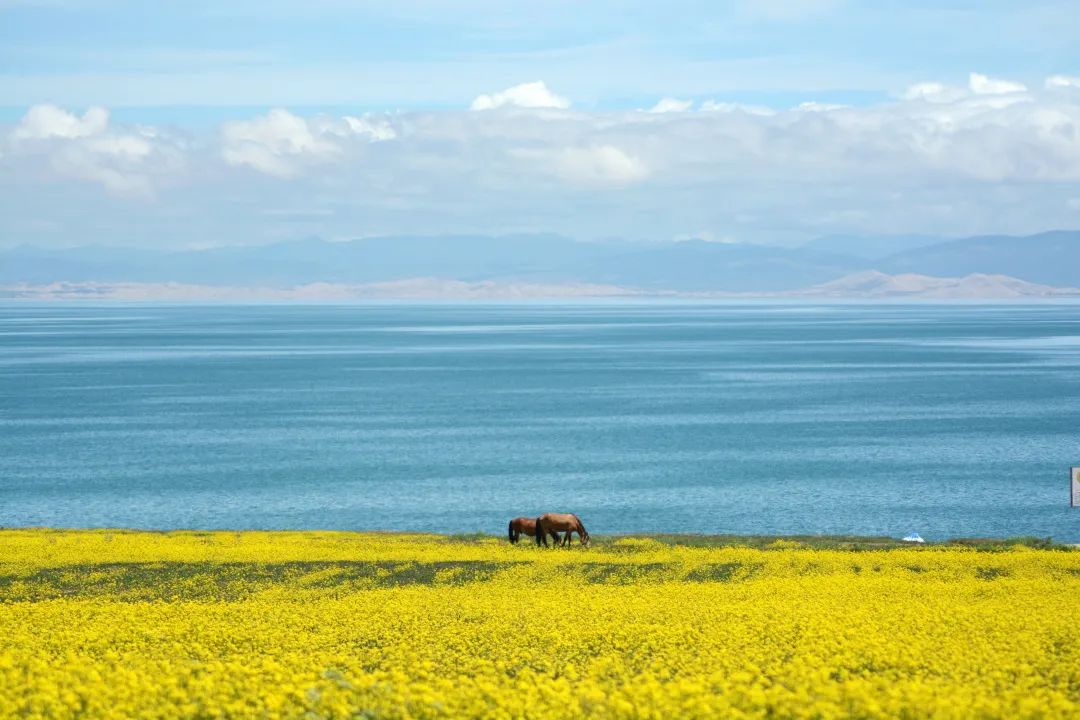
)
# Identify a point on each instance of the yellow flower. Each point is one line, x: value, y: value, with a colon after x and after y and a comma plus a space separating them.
x: 341, y: 625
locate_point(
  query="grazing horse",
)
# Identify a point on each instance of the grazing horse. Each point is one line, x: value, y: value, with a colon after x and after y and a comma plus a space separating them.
x: 569, y: 522
x: 525, y: 526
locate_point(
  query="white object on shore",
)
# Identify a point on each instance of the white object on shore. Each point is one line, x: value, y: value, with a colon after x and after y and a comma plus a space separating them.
x: 914, y: 537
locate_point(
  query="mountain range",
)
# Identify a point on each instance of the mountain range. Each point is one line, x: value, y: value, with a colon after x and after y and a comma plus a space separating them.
x: 873, y: 284
x: 828, y: 266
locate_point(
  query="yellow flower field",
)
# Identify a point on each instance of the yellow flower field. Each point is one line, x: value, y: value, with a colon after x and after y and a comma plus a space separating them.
x: 339, y: 625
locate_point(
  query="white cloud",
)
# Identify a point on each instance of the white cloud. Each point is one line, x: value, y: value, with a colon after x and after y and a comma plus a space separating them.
x: 124, y: 161
x: 726, y: 107
x: 285, y: 145
x: 705, y: 236
x: 526, y: 95
x: 813, y: 106
x: 994, y: 92
x: 941, y: 159
x: 276, y: 143
x: 934, y: 92
x: 376, y: 130
x: 667, y: 105
x: 279, y: 131
x: 131, y: 147
x: 1062, y: 81
x: 596, y: 165
x: 42, y: 122
x: 983, y: 85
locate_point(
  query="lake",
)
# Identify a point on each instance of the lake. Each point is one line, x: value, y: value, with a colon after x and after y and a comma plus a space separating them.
x: 947, y: 420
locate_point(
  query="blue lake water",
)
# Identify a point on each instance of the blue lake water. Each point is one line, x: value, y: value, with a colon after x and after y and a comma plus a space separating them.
x: 956, y: 420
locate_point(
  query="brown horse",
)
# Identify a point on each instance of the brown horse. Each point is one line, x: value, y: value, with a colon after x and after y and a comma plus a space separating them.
x: 525, y: 526
x: 568, y: 522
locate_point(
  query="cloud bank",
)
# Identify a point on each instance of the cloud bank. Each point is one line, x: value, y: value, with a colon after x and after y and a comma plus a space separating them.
x: 991, y: 155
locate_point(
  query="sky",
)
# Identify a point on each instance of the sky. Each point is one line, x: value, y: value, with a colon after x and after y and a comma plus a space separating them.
x: 195, y: 124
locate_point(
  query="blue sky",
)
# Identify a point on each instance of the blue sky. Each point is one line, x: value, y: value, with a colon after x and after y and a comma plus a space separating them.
x: 944, y: 118
x: 439, y: 55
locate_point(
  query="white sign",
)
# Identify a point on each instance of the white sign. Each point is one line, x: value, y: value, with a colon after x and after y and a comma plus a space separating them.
x: 1075, y: 487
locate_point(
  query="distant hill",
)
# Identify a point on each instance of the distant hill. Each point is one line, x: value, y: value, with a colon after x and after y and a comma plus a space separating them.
x: 873, y: 284
x: 537, y: 259
x: 1051, y: 258
x: 870, y: 247
x: 695, y: 266
x: 459, y: 257
x: 869, y: 285
x: 412, y: 289
x: 699, y: 266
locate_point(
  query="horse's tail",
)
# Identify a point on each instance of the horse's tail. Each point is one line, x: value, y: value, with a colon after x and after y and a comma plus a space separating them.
x: 540, y: 532
x: 510, y: 532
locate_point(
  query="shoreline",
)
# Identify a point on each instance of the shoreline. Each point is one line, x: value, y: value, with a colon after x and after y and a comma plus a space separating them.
x: 700, y: 540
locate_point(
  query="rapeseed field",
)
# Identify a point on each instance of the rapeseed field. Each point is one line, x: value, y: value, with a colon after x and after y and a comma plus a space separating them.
x: 113, y: 624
